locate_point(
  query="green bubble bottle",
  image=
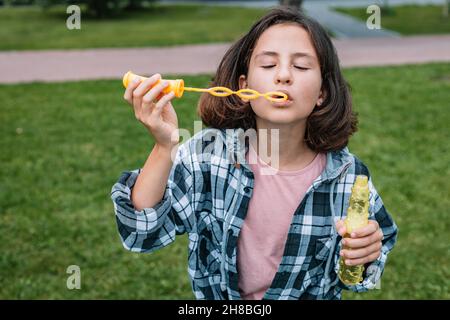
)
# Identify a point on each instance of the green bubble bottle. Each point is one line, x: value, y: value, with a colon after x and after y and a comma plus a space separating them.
x: 357, y: 217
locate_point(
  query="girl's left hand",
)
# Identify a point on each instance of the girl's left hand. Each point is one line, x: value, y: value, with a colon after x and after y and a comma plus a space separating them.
x: 365, y: 243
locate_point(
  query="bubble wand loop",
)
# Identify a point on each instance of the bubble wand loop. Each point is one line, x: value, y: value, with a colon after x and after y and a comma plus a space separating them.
x: 243, y: 93
x: 177, y: 86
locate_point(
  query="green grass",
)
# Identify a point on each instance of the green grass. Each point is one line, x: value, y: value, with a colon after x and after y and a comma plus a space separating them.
x: 407, y: 19
x: 403, y: 137
x: 33, y: 28
x: 65, y: 144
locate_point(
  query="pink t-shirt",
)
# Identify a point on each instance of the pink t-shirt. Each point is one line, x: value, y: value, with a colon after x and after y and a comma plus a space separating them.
x: 264, y: 232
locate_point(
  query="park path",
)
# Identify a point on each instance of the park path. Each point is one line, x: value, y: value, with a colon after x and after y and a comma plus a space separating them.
x: 342, y: 25
x: 68, y: 65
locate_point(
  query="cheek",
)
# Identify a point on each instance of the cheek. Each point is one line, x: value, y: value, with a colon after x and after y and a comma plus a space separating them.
x: 310, y: 85
x: 255, y: 81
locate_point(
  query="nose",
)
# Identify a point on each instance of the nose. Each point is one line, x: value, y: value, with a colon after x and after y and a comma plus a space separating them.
x: 283, y: 76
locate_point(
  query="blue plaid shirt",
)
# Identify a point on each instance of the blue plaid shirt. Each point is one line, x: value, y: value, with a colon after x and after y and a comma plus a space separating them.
x: 207, y: 197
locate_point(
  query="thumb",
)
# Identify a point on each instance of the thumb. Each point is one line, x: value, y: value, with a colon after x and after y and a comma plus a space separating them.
x: 340, y: 227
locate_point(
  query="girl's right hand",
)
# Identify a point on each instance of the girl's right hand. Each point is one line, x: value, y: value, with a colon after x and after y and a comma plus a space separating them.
x: 154, y: 110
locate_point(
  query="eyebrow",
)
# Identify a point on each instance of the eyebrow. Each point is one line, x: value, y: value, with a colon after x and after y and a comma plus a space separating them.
x: 275, y: 54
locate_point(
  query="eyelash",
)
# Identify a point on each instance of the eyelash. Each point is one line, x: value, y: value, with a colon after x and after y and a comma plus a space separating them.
x: 271, y: 66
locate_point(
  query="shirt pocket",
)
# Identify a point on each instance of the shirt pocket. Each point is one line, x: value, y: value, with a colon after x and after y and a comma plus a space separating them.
x: 208, y: 248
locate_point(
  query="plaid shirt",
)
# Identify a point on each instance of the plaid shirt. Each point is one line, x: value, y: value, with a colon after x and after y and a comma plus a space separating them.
x: 207, y: 197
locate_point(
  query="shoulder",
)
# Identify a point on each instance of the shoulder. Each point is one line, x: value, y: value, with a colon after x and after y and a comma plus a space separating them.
x: 209, y: 141
x: 357, y: 166
x: 207, y: 136
x: 205, y: 146
x: 360, y: 167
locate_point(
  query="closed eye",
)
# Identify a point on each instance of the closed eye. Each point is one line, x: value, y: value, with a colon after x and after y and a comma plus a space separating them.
x: 297, y: 67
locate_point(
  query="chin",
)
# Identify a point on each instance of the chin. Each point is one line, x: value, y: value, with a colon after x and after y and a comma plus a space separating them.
x: 283, y: 120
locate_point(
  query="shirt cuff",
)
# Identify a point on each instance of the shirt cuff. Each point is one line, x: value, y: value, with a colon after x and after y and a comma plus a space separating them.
x: 145, y: 220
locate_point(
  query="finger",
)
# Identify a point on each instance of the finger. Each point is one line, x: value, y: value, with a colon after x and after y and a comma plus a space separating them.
x: 161, y: 103
x: 145, y: 85
x: 362, y: 252
x: 355, y: 262
x: 364, y: 241
x: 155, y: 92
x: 340, y: 227
x: 371, y: 227
x: 356, y: 243
x: 128, y: 95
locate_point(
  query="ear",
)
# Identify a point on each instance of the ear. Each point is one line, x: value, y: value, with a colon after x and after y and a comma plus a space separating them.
x: 321, y: 97
x: 243, y: 85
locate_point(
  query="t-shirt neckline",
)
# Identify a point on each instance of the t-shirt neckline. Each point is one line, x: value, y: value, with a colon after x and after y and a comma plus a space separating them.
x: 261, y: 163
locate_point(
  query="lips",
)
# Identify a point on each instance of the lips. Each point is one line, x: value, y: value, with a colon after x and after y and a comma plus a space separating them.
x: 287, y: 93
x: 283, y: 103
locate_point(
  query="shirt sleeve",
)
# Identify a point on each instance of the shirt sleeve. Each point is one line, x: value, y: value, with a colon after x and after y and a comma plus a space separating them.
x: 374, y: 271
x: 149, y: 229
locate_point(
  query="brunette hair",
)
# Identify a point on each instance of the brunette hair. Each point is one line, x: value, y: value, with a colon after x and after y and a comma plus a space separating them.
x: 328, y: 127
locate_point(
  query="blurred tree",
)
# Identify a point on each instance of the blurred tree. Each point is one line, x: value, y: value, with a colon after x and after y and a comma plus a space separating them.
x: 446, y: 5
x: 134, y: 5
x: 296, y: 4
x: 386, y: 9
x: 101, y: 8
x: 17, y: 2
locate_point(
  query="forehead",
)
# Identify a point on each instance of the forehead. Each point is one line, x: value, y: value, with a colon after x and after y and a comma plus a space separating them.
x: 284, y: 39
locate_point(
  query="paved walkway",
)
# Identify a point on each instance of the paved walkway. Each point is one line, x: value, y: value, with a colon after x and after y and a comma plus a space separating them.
x: 345, y: 26
x: 342, y: 25
x: 66, y: 65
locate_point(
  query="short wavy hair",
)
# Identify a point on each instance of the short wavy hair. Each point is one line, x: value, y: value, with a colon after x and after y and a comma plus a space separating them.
x: 328, y: 127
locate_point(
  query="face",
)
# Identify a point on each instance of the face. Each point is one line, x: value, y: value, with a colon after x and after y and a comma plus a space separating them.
x: 284, y: 59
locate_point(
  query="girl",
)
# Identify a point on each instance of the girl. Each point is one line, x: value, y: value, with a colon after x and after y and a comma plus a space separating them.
x: 260, y: 226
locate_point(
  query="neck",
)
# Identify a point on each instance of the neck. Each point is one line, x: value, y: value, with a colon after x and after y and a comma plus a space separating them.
x: 287, y: 151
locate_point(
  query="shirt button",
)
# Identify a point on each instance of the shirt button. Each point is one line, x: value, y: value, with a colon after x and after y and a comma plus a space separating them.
x: 247, y: 189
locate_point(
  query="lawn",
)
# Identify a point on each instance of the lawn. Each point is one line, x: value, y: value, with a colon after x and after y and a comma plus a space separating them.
x: 65, y: 144
x: 408, y: 19
x: 32, y: 28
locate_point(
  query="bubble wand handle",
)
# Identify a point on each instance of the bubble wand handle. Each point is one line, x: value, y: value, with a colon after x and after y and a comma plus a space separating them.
x: 177, y: 86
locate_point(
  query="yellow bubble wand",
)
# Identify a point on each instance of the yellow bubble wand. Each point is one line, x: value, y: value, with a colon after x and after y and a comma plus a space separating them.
x: 177, y: 86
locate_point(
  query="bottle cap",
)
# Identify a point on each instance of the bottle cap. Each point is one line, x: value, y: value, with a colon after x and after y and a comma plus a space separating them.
x: 177, y: 86
x: 126, y: 78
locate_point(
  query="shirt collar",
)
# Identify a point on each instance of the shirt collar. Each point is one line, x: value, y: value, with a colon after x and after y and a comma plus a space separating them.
x: 237, y: 148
